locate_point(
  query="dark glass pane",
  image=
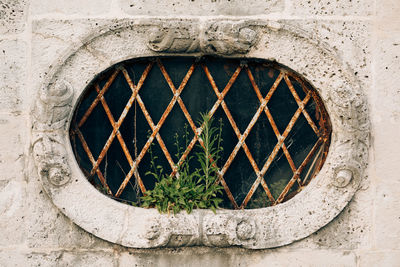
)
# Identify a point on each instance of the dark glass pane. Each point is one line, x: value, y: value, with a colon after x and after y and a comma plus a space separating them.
x: 264, y: 76
x: 96, y: 130
x: 240, y: 177
x: 242, y: 101
x: 119, y: 87
x: 261, y: 140
x: 177, y: 68
x: 135, y: 137
x: 312, y: 110
x: 181, y: 131
x: 221, y: 70
x: 300, y: 140
x: 190, y: 95
x: 278, y: 175
x: 259, y: 199
x: 282, y: 106
x: 115, y: 166
x: 155, y: 93
x: 298, y: 88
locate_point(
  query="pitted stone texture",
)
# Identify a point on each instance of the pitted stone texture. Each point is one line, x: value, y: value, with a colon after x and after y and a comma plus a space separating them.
x: 12, y: 147
x: 350, y: 40
x: 48, y: 227
x: 13, y: 15
x: 57, y: 258
x: 70, y: 7
x: 235, y: 257
x: 351, y: 229
x: 52, y: 40
x: 13, y: 74
x: 13, y: 211
x: 332, y: 7
x: 201, y: 7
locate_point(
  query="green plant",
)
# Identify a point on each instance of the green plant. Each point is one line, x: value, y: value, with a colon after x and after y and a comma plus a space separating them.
x: 188, y: 189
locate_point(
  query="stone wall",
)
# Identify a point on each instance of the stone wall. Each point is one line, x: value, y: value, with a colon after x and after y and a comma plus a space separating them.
x: 35, y: 34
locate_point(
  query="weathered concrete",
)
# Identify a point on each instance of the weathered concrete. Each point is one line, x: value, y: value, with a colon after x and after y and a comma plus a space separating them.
x: 201, y: 7
x: 13, y: 16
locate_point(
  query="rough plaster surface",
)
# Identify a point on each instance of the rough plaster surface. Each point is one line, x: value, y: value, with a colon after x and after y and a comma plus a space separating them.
x: 13, y: 16
x: 72, y: 7
x: 34, y: 232
x: 201, y: 7
x: 332, y: 7
x: 12, y: 74
x: 386, y: 100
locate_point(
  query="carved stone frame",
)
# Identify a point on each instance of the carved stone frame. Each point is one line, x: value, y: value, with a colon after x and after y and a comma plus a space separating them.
x: 319, y: 203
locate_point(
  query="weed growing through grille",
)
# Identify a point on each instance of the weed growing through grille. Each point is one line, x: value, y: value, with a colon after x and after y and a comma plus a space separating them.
x: 189, y: 189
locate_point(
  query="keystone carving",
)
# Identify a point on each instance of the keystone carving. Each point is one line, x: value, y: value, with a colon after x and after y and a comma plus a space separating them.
x: 219, y: 37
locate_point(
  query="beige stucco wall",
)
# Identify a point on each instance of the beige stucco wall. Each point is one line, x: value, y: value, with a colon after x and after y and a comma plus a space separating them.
x: 34, y: 34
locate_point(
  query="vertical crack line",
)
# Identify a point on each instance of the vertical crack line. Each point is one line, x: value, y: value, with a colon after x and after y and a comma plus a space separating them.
x: 200, y: 241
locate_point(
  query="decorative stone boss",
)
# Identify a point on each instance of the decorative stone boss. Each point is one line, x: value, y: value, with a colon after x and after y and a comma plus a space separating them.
x: 315, y: 206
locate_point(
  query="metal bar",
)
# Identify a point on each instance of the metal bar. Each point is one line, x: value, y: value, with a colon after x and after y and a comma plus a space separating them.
x: 271, y: 119
x: 121, y: 141
x: 155, y: 128
x: 90, y: 155
x: 123, y: 115
x: 296, y: 174
x: 322, y: 132
x: 263, y: 105
x: 281, y: 139
x: 198, y: 131
x: 298, y: 101
x: 317, y: 157
x: 96, y: 100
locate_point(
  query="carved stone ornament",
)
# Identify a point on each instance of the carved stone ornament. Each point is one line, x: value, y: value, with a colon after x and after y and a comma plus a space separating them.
x: 315, y: 206
x: 50, y: 113
x: 220, y: 37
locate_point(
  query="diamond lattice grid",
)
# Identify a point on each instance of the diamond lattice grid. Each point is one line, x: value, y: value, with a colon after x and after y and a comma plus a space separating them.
x: 237, y: 75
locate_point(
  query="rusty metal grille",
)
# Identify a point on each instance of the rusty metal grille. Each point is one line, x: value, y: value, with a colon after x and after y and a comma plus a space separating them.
x: 276, y: 131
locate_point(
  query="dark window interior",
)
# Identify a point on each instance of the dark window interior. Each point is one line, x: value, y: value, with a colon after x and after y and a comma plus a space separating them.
x: 296, y: 161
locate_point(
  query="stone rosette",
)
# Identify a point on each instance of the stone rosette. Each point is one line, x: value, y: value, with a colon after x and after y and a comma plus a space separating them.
x: 315, y: 206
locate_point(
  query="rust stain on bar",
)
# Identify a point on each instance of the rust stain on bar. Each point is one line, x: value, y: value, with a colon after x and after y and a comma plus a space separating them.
x: 296, y: 174
x: 298, y: 101
x: 123, y: 115
x: 281, y: 139
x: 90, y: 155
x: 263, y: 106
x: 121, y: 141
x: 96, y: 100
x: 323, y: 132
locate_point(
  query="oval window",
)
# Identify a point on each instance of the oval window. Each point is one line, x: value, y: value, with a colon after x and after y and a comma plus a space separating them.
x: 270, y: 124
